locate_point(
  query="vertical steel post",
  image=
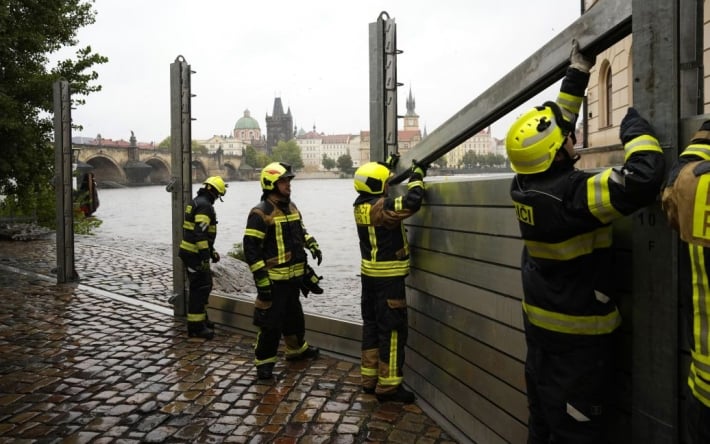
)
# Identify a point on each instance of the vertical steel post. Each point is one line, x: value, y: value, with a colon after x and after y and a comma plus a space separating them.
x: 656, y: 92
x: 383, y: 88
x: 66, y: 271
x: 180, y: 185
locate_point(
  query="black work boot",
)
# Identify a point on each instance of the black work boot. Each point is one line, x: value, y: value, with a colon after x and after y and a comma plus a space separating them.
x: 310, y: 352
x: 265, y: 371
x: 399, y: 395
x: 199, y: 330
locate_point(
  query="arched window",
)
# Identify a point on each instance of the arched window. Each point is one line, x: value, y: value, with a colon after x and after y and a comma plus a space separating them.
x: 605, y: 96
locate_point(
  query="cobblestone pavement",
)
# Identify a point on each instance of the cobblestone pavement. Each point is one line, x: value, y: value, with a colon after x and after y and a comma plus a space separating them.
x: 145, y: 272
x: 81, y: 364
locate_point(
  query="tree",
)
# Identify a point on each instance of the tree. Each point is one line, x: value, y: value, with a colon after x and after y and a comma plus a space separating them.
x: 195, y: 146
x: 32, y: 31
x: 345, y: 163
x: 441, y: 162
x: 288, y: 152
x: 327, y: 162
x: 250, y: 157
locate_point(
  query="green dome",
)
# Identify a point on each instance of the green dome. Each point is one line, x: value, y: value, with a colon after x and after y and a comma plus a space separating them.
x: 246, y: 122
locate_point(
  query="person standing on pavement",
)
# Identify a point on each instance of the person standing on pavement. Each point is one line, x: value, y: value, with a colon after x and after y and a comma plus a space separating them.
x: 199, y: 231
x: 274, y: 244
x: 384, y: 265
x: 565, y: 217
x: 686, y: 202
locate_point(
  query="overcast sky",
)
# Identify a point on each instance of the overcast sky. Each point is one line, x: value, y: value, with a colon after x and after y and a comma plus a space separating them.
x: 312, y: 53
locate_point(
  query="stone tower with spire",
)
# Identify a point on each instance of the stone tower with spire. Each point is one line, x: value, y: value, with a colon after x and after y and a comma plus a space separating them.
x: 411, y: 119
x: 279, y: 126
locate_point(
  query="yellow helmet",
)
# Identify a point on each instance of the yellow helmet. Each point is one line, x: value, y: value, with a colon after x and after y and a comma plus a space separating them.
x: 371, y: 178
x: 533, y: 140
x: 273, y: 172
x: 217, y: 183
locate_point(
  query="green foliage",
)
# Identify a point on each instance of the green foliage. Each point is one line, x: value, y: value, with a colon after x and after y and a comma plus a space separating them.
x: 345, y: 163
x: 31, y: 31
x: 327, y: 162
x: 250, y: 157
x: 288, y: 152
x: 441, y: 162
x: 473, y: 160
x: 237, y: 252
x: 194, y: 145
x: 83, y: 224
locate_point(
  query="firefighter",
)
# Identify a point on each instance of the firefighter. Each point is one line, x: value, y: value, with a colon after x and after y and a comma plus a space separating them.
x: 384, y: 265
x: 275, y: 243
x: 199, y: 230
x: 686, y: 201
x: 564, y: 217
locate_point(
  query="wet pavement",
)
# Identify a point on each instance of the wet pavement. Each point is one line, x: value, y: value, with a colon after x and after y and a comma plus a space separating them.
x: 90, y: 362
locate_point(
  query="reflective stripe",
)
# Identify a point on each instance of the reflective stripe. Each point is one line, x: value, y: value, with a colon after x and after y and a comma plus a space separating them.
x: 571, y: 248
x: 203, y: 245
x: 416, y: 183
x: 701, y: 208
x: 265, y: 361
x: 569, y: 104
x: 576, y: 325
x: 254, y: 233
x: 599, y: 197
x: 700, y: 388
x: 367, y: 371
x: 296, y: 352
x: 188, y: 246
x: 202, y: 219
x: 641, y: 143
x: 702, y: 364
x: 701, y: 305
x: 286, y: 273
x: 256, y: 266
x: 196, y: 317
x: 372, y: 235
x: 392, y: 377
x: 384, y: 268
x: 279, y: 223
x: 700, y: 150
x: 188, y: 225
x: 398, y: 203
x: 576, y: 414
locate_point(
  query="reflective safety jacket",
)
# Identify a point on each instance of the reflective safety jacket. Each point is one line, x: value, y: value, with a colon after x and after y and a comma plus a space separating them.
x: 199, y: 229
x: 274, y: 241
x: 384, y: 248
x: 564, y: 216
x: 687, y: 205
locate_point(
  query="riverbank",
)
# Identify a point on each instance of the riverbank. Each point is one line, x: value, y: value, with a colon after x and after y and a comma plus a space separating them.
x: 144, y: 271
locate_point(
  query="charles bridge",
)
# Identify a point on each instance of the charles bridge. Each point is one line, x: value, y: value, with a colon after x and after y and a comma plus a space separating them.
x: 122, y: 163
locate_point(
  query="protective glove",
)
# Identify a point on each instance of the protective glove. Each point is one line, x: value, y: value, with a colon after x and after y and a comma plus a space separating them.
x: 309, y: 282
x: 579, y: 61
x: 312, y: 245
x: 204, y: 266
x: 215, y: 257
x: 418, y: 168
x: 633, y: 125
x: 263, y: 293
x: 392, y: 161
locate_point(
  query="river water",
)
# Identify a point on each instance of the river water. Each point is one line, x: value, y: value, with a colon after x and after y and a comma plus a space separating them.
x: 143, y: 215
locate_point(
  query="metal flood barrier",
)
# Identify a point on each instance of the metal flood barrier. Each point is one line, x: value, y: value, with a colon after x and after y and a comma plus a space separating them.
x: 466, y: 347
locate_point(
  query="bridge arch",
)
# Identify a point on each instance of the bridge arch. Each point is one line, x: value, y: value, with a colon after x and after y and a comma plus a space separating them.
x: 106, y: 171
x: 232, y: 171
x: 160, y: 173
x: 199, y: 171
